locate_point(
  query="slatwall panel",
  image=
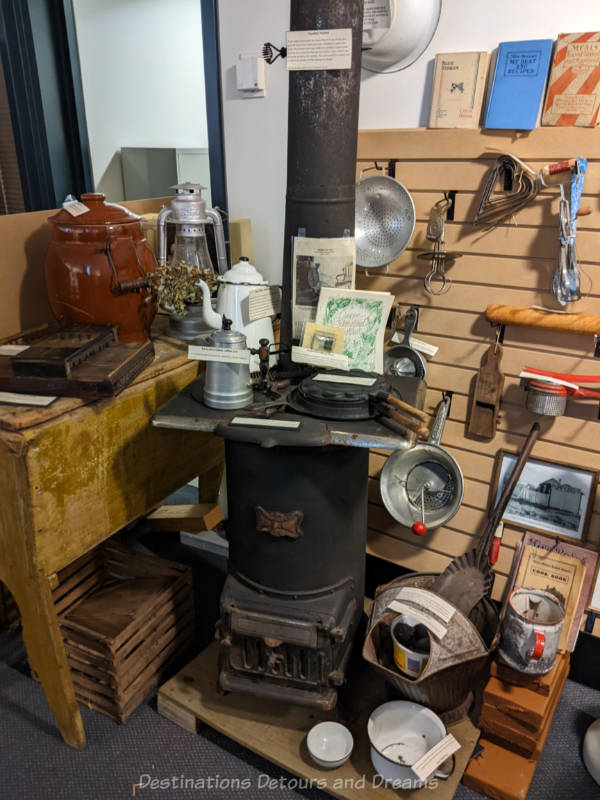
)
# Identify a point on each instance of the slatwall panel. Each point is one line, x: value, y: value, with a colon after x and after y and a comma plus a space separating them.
x: 511, y: 265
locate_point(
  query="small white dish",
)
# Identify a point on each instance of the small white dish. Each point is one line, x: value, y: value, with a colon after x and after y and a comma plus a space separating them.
x: 329, y: 744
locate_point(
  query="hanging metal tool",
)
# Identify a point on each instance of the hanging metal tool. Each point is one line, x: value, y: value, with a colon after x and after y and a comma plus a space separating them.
x: 436, y: 281
x: 566, y: 281
x: 547, y: 392
x: 485, y: 407
x: 521, y: 186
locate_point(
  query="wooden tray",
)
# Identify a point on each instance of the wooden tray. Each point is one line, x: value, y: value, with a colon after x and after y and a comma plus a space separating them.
x: 103, y: 374
x: 277, y: 730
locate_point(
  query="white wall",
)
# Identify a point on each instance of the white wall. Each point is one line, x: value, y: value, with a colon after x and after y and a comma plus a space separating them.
x: 143, y: 79
x: 256, y: 130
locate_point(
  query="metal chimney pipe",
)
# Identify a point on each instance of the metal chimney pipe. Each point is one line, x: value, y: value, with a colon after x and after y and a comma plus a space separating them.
x: 322, y: 138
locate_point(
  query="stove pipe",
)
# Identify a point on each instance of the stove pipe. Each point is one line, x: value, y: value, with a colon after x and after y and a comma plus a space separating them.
x: 322, y: 137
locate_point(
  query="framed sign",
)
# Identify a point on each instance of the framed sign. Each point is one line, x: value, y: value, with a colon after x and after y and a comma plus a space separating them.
x: 550, y: 497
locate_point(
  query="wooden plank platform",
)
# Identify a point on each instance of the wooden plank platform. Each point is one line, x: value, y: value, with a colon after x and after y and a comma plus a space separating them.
x: 277, y: 731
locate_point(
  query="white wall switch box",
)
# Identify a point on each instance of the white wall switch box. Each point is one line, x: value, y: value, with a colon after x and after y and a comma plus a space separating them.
x: 250, y: 76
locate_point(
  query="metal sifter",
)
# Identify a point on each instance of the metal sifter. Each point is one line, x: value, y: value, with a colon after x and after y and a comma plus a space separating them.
x: 384, y: 220
x: 422, y: 488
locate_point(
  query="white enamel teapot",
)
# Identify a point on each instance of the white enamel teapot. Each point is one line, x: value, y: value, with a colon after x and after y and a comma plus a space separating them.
x: 232, y: 302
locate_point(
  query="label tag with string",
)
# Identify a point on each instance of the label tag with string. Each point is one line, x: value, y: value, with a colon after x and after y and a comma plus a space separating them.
x: 74, y: 206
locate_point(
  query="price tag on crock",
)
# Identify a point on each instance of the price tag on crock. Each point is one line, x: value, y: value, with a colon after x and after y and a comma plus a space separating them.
x: 75, y: 208
x: 264, y: 302
x: 200, y: 352
x: 319, y: 49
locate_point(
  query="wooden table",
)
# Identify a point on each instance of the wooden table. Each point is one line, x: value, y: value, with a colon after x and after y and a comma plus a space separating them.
x: 72, y: 475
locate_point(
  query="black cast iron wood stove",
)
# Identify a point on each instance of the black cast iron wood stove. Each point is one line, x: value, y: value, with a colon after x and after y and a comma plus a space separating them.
x: 297, y: 496
x: 297, y: 499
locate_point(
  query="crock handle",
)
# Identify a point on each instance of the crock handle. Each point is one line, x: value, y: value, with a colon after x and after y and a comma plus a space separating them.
x: 123, y: 287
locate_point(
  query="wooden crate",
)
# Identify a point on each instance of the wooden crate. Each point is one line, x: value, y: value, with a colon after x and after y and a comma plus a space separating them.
x: 125, y: 618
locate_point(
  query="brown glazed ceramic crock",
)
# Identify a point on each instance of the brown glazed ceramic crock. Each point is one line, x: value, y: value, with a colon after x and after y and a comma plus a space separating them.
x: 97, y: 269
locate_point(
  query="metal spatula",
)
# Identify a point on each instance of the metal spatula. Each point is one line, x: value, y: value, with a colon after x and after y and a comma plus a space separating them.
x: 469, y: 578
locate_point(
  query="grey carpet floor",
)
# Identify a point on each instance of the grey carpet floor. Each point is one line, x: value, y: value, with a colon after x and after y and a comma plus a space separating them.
x: 34, y: 763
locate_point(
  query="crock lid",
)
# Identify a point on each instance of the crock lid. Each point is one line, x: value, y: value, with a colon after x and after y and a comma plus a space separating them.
x: 100, y: 213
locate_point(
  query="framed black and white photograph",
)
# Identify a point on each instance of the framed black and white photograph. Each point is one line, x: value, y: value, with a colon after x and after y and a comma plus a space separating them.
x: 550, y: 497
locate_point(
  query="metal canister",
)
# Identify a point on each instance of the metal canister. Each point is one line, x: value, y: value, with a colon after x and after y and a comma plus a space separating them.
x: 227, y: 385
x: 531, y: 631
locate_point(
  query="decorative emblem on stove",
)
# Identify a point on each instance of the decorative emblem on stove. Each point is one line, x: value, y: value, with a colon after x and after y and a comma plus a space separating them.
x: 279, y: 523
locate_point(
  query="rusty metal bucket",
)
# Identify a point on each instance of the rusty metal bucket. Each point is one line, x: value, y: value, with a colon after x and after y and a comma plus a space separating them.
x: 455, y: 665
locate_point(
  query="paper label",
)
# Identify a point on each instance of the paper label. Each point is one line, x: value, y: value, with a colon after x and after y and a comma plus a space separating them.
x: 376, y: 14
x: 430, y: 622
x: 266, y: 423
x: 354, y: 379
x: 574, y: 103
x: 12, y: 349
x: 427, y: 764
x: 304, y: 355
x: 25, y: 399
x: 75, y: 208
x: 319, y: 49
x: 435, y: 604
x: 200, y: 352
x: 418, y: 344
x: 264, y: 302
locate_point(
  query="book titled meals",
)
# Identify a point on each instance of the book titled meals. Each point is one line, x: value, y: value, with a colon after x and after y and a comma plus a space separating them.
x: 458, y: 86
x: 518, y: 85
x: 574, y: 90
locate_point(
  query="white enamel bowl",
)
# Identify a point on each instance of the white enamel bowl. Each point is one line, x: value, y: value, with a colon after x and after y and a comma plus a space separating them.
x: 329, y: 744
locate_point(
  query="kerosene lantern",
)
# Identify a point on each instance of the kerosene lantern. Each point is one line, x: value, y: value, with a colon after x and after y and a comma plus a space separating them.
x: 189, y: 259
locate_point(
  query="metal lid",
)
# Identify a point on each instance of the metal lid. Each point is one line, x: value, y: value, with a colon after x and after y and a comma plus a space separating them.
x: 226, y: 338
x: 242, y: 272
x: 100, y: 213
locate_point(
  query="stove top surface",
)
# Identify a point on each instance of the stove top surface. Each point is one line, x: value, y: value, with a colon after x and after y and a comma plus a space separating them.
x: 289, y: 426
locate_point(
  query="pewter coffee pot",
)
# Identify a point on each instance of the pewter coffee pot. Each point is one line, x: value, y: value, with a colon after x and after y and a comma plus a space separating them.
x: 226, y: 384
x: 189, y: 213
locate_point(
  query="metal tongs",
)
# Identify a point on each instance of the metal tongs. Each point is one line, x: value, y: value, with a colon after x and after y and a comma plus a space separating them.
x: 524, y: 184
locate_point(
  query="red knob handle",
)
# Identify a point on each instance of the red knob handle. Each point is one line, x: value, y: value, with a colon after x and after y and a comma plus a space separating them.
x: 419, y: 528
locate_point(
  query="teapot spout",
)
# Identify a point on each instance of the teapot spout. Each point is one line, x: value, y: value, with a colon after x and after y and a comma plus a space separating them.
x: 209, y: 316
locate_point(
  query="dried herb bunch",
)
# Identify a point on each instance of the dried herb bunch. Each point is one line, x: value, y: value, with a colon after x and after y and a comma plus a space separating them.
x: 177, y: 286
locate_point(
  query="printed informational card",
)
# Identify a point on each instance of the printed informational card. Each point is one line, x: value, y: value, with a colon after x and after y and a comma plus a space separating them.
x: 317, y: 264
x: 319, y: 49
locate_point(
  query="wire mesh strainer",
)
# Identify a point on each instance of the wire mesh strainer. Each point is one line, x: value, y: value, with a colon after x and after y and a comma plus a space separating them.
x: 384, y: 220
x: 430, y: 487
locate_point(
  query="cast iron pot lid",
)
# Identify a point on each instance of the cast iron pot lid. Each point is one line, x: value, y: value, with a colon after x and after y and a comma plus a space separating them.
x: 332, y: 400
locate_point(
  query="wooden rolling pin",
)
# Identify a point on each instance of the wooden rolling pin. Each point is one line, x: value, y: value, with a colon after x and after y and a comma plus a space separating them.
x: 532, y: 318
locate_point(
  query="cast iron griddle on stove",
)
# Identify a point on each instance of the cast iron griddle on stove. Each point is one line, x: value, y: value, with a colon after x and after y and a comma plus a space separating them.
x: 320, y: 397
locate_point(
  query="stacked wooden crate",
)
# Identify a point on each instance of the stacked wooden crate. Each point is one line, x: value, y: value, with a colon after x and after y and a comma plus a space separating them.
x: 125, y: 618
x: 515, y: 719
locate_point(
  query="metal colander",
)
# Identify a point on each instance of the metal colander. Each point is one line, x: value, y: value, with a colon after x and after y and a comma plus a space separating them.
x: 384, y: 220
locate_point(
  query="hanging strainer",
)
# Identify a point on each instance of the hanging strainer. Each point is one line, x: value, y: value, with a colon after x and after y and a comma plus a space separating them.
x: 424, y: 484
x: 384, y: 220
